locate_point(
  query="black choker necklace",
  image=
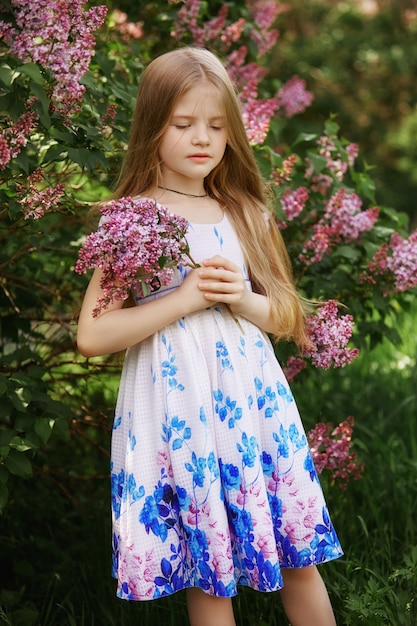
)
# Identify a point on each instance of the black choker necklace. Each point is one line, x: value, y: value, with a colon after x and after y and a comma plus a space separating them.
x: 182, y: 193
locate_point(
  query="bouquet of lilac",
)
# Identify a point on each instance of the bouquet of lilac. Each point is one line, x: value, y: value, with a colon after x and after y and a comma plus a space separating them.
x: 138, y: 245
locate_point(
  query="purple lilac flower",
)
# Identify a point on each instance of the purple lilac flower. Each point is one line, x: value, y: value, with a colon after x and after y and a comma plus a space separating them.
x: 343, y: 220
x: 293, y: 97
x: 330, y: 449
x: 293, y: 367
x: 58, y: 35
x: 396, y: 262
x: 330, y: 335
x: 293, y: 202
x: 37, y: 198
x: 137, y: 246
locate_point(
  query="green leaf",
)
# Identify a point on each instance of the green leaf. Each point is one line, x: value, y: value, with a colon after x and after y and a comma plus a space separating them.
x: 21, y: 379
x: 63, y: 136
x: 4, y: 496
x: 18, y: 402
x: 23, y: 162
x: 26, y: 616
x: 347, y: 252
x: 365, y: 185
x: 383, y: 231
x: 32, y: 70
x: 4, y: 451
x: 4, y: 475
x: 87, y: 158
x: 305, y: 137
x: 42, y: 105
x: 18, y: 464
x: 331, y: 128
x: 7, y: 75
x: 22, y: 445
x: 317, y: 161
x: 44, y: 427
x: 56, y: 152
x: 6, y: 435
x: 3, y: 385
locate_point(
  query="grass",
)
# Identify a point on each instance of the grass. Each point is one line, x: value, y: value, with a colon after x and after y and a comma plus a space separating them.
x: 55, y: 534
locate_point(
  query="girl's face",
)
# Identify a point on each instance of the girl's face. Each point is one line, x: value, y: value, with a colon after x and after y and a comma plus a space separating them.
x: 195, y: 140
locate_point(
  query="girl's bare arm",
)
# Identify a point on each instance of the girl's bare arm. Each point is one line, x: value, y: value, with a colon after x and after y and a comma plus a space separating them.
x: 118, y: 328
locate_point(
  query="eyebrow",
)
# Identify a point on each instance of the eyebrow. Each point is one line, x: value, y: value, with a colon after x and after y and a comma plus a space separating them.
x: 193, y: 117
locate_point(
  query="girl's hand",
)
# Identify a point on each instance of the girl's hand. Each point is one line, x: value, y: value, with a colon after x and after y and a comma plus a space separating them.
x: 223, y: 281
x: 191, y: 296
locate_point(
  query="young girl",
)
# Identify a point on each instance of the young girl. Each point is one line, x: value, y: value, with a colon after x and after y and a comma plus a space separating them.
x: 212, y: 481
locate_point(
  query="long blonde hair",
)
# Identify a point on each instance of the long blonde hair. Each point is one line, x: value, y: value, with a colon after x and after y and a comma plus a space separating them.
x: 235, y: 183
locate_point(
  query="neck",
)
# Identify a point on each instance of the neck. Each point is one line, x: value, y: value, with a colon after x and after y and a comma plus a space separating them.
x: 183, y: 193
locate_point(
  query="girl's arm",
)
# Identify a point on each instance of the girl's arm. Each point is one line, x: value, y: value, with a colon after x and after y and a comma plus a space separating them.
x: 223, y: 281
x: 117, y: 328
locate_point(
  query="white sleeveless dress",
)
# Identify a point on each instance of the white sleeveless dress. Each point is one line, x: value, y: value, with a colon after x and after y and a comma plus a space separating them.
x: 213, y: 484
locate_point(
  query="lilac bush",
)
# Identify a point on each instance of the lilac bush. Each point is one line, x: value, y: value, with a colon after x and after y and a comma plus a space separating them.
x: 59, y: 36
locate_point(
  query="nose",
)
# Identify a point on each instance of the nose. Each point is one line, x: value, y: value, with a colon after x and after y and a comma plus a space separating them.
x: 201, y: 136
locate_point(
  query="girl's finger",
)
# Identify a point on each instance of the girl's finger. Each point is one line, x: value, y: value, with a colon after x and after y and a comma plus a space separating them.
x: 219, y: 261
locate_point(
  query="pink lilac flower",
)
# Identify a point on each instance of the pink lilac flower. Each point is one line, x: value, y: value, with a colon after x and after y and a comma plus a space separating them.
x: 293, y: 202
x: 352, y: 151
x: 232, y: 33
x: 5, y: 154
x: 329, y: 335
x: 343, y: 220
x: 58, y: 35
x: 245, y: 76
x: 397, y: 262
x: 186, y: 21
x: 128, y: 30
x: 283, y: 173
x: 331, y: 450
x: 293, y: 367
x: 137, y: 245
x: 293, y: 97
x: 318, y: 182
x: 336, y: 163
x: 35, y: 202
x: 256, y: 116
x: 343, y: 212
x: 222, y: 34
x: 15, y: 137
x: 107, y: 119
x: 214, y: 30
x: 264, y: 13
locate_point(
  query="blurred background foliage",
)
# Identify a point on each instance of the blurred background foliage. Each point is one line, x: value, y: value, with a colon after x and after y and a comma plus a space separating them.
x: 359, y: 60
